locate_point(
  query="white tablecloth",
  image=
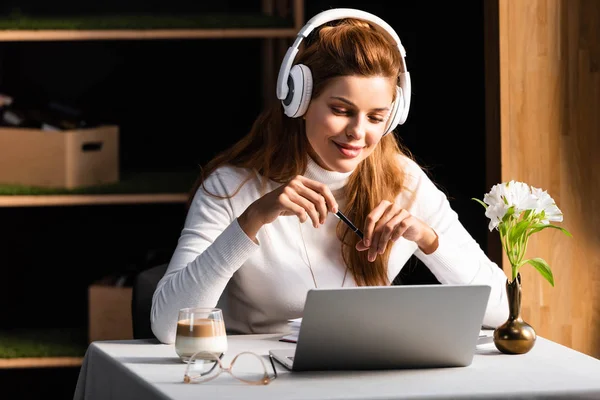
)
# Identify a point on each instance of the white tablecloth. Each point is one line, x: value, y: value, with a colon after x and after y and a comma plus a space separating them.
x: 139, y: 369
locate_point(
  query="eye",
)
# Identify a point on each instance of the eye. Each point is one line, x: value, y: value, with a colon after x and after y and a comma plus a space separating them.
x: 340, y: 111
x: 377, y: 119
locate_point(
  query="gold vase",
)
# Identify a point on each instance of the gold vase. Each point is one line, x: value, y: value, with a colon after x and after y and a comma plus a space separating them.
x: 515, y: 336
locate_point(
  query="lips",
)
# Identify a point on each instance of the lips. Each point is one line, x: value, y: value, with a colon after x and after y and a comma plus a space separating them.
x: 347, y: 150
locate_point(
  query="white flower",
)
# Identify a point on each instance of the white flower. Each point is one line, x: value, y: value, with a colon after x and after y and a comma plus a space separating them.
x: 495, y: 196
x: 502, y: 196
x: 495, y: 212
x: 546, y: 204
x: 519, y: 194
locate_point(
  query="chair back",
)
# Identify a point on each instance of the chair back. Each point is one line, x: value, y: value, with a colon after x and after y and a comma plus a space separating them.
x: 144, y: 285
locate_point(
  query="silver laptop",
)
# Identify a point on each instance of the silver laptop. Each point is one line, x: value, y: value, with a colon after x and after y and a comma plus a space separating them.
x: 389, y: 327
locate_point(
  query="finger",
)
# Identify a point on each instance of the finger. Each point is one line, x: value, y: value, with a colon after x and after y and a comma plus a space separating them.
x: 360, y: 246
x: 385, y: 235
x: 382, y: 228
x: 318, y: 203
x: 292, y: 208
x: 386, y: 224
x: 309, y: 206
x: 374, y: 245
x: 306, y: 198
x: 398, y: 232
x: 403, y: 228
x: 372, y: 254
x: 371, y: 220
x: 393, y: 230
x: 324, y: 191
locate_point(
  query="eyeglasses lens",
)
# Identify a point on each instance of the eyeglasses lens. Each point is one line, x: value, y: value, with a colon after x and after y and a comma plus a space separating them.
x: 249, y: 367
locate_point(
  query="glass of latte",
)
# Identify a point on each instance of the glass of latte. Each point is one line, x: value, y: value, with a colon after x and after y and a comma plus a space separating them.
x: 200, y: 330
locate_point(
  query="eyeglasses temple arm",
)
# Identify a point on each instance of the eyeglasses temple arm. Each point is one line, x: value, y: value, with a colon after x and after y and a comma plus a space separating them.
x: 273, y: 365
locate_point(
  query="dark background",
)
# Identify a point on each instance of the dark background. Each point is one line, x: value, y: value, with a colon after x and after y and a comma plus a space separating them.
x: 170, y: 99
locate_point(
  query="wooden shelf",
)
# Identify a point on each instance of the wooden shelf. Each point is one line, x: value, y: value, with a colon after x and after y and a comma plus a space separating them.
x: 40, y: 362
x: 17, y: 27
x: 42, y: 348
x: 134, y: 187
x: 122, y: 34
x: 97, y: 199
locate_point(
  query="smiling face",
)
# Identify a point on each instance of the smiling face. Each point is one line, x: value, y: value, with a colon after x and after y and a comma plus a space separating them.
x: 347, y: 120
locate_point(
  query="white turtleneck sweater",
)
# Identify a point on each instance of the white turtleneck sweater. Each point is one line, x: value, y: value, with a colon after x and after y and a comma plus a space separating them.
x: 265, y: 284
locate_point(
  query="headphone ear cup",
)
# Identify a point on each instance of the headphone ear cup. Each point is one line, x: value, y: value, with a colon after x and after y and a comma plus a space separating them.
x: 300, y: 90
x: 396, y: 112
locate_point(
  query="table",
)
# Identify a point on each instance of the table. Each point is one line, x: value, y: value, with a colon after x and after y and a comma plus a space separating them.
x: 142, y: 369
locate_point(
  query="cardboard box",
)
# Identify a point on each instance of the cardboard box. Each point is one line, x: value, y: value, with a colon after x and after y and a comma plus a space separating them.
x: 60, y: 159
x: 109, y: 316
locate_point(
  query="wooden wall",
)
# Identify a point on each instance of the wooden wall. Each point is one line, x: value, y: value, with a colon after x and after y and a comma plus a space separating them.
x: 543, y: 128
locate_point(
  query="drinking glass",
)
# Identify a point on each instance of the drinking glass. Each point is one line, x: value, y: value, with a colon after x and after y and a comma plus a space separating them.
x: 200, y: 331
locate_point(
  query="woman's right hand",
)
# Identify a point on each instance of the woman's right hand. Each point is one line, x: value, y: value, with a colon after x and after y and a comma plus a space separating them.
x: 303, y: 197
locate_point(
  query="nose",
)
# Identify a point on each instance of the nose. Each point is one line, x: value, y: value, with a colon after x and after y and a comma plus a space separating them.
x: 356, y: 128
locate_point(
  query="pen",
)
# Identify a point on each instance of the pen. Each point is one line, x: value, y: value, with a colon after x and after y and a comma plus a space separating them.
x: 350, y: 224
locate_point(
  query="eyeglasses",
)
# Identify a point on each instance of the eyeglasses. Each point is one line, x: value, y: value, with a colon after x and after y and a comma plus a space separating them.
x: 250, y: 368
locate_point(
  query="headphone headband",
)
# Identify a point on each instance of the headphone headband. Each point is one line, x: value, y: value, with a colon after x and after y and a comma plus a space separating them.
x: 318, y: 20
x: 294, y: 82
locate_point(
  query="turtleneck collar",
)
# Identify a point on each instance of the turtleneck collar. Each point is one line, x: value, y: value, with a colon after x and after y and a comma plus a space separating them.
x: 334, y: 180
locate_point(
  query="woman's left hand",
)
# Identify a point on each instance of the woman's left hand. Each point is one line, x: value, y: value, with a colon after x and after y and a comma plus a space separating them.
x: 389, y: 222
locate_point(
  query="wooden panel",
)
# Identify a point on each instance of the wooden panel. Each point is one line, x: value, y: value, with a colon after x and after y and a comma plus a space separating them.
x: 550, y: 137
x: 41, y: 362
x: 150, y: 34
x: 91, y: 199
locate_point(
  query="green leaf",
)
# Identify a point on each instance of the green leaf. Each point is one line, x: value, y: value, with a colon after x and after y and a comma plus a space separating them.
x: 519, y: 230
x: 502, y: 228
x: 480, y: 202
x: 536, y: 228
x: 539, y: 227
x: 563, y: 230
x: 543, y: 268
x: 527, y: 214
x: 509, y: 212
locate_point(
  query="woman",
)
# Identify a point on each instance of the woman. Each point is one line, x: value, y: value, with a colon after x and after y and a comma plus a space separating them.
x: 262, y: 221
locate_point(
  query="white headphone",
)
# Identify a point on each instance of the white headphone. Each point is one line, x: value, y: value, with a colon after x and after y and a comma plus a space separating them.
x: 294, y: 83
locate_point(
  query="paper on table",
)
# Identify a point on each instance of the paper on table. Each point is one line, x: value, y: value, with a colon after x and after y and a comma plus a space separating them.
x: 294, y: 325
x: 486, y: 337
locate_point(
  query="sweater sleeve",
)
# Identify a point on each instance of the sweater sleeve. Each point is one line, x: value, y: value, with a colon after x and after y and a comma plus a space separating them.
x: 211, y: 247
x: 458, y: 259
